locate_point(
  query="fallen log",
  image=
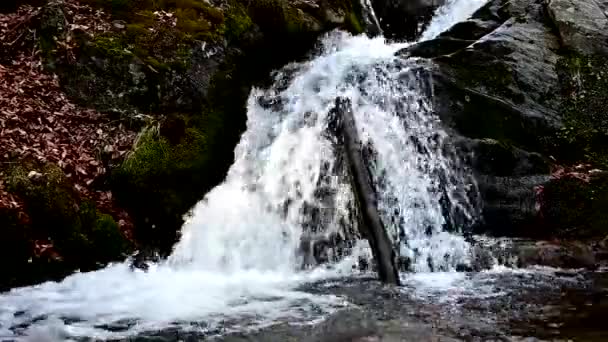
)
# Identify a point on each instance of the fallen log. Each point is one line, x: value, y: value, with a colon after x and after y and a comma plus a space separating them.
x: 381, y: 245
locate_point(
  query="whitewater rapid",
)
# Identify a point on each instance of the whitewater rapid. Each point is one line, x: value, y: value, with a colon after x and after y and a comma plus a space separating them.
x: 238, y: 259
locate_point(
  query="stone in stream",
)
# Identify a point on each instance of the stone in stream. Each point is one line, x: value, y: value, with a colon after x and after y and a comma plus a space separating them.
x: 375, y: 231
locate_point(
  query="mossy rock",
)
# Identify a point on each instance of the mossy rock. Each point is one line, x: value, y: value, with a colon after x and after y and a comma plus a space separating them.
x: 161, y: 179
x: 573, y: 207
x: 82, y: 236
x: 584, y: 136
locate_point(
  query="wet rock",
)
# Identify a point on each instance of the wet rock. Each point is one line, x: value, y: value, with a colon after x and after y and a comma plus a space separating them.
x: 582, y: 25
x: 404, y: 19
x: 573, y: 204
x: 143, y: 258
x: 518, y: 252
x: 499, y: 86
x: 501, y: 159
x: 509, y: 205
x: 556, y: 254
x: 485, y: 20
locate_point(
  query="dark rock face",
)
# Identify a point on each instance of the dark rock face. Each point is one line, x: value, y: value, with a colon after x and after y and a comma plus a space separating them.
x: 500, y: 86
x: 404, y: 19
x: 582, y: 25
x: 574, y: 204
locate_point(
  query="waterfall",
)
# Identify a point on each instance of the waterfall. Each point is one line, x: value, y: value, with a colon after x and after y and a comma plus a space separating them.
x: 243, y: 252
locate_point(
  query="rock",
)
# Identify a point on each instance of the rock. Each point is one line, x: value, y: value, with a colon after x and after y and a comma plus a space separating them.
x: 404, y: 19
x: 559, y: 255
x: 518, y: 96
x: 53, y: 28
x: 507, y: 178
x: 565, y: 254
x: 495, y: 80
x: 34, y: 175
x: 573, y: 205
x: 119, y: 24
x: 582, y: 25
x: 495, y: 158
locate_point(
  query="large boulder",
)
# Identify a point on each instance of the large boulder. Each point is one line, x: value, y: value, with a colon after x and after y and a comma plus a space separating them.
x: 504, y: 84
x: 582, y: 25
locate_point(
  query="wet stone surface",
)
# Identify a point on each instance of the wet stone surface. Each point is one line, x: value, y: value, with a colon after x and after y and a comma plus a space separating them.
x: 532, y: 305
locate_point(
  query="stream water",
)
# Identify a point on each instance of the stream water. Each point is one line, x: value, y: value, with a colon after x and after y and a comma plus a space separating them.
x: 241, y: 271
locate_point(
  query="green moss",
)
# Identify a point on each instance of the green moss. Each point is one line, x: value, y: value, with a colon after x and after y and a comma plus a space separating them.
x: 584, y: 136
x: 150, y: 157
x: 49, y: 198
x: 108, y: 242
x: 353, y: 23
x: 111, y: 46
x: 181, y: 171
x: 237, y: 22
x: 56, y: 212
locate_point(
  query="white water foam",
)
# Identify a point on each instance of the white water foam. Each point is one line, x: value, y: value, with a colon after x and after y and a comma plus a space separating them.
x: 451, y: 12
x: 238, y: 258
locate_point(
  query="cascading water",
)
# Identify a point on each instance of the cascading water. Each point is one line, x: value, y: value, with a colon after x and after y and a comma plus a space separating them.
x: 241, y: 254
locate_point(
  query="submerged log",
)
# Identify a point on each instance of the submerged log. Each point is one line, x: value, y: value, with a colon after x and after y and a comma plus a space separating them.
x: 379, y: 240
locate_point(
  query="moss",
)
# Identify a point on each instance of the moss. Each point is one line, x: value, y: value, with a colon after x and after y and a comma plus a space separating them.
x: 80, y: 234
x: 181, y: 171
x: 49, y: 199
x: 584, y: 136
x: 237, y: 22
x: 149, y: 158
x: 276, y: 17
x: 108, y: 243
x: 111, y: 46
x: 353, y: 23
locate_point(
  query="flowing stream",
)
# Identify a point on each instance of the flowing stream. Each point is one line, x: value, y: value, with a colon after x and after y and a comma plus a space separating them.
x: 286, y: 216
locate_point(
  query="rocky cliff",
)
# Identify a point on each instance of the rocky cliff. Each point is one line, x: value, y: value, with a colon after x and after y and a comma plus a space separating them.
x: 521, y: 85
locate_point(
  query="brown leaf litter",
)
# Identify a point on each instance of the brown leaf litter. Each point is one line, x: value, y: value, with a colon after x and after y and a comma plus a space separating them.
x: 39, y: 122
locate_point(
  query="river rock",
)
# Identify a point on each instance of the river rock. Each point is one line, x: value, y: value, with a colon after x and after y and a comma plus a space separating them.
x: 557, y: 254
x: 518, y: 252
